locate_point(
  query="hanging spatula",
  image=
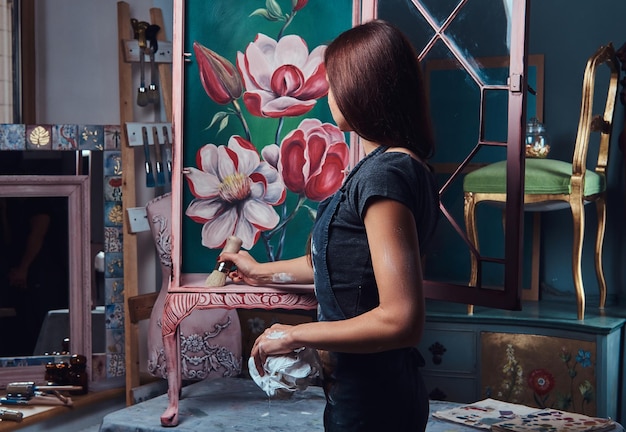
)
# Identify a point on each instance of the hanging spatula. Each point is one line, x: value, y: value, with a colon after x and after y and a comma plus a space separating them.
x: 153, y: 88
x: 142, y: 95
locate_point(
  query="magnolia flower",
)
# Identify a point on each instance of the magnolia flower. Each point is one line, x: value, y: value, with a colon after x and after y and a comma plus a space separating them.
x: 281, y: 78
x: 313, y: 159
x: 234, y: 193
x: 219, y: 77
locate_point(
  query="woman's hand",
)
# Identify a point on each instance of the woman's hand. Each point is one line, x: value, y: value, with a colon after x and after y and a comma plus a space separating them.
x: 244, y: 267
x: 275, y: 340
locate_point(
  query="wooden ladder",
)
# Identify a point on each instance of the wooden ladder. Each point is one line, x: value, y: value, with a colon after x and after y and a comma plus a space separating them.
x: 136, y: 307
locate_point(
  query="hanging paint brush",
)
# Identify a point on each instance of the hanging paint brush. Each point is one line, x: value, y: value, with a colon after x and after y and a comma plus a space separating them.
x: 160, y: 175
x: 146, y: 148
x: 218, y: 277
x: 153, y: 88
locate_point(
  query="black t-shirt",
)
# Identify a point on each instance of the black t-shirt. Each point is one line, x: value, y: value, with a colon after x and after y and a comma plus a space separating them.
x: 392, y: 175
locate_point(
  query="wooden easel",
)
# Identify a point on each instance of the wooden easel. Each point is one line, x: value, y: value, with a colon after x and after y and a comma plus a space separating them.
x: 127, y: 99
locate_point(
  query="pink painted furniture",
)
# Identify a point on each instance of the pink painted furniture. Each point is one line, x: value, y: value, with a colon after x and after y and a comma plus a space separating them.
x: 182, y: 299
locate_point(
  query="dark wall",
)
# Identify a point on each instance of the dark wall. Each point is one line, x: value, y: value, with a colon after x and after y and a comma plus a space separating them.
x: 567, y: 32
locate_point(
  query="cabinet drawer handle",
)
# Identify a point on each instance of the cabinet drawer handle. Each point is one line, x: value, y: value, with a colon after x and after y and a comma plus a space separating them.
x: 437, y: 394
x: 437, y: 350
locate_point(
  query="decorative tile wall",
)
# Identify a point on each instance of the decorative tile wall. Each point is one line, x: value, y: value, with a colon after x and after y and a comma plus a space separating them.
x: 106, y: 138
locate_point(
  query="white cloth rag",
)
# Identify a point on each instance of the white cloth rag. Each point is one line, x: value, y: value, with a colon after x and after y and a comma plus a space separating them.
x: 286, y: 374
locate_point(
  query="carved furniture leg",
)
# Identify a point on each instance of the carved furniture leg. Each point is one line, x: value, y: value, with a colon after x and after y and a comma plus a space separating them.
x: 177, y: 307
x: 578, y: 220
x: 601, y: 211
x: 470, y: 226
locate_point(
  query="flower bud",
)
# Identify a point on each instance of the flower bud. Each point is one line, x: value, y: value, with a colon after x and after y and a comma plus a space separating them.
x: 298, y: 4
x: 219, y: 77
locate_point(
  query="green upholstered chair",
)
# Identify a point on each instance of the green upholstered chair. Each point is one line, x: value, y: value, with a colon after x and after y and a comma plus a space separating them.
x: 553, y: 184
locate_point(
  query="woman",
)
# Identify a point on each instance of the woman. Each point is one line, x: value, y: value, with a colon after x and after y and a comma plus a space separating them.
x: 365, y: 248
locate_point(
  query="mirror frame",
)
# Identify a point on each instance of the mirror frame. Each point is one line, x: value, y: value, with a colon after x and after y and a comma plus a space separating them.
x: 76, y: 190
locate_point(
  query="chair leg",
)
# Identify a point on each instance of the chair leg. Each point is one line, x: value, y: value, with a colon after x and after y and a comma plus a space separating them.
x: 601, y: 211
x: 469, y: 213
x: 578, y: 219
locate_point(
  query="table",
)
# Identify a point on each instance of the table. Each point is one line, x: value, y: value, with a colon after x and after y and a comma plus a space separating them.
x: 39, y: 417
x: 192, y: 294
x: 237, y: 404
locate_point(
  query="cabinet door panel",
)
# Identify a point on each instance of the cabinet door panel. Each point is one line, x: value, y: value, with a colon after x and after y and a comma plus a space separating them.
x: 452, y: 389
x: 451, y: 350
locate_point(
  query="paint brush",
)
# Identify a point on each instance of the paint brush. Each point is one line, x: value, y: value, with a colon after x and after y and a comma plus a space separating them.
x: 218, y: 277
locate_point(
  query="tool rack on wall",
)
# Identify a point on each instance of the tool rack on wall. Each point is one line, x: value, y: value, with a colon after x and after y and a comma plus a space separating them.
x: 153, y: 138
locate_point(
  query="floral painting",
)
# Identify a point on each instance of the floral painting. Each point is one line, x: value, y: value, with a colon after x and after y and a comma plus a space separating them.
x: 540, y: 371
x: 260, y: 148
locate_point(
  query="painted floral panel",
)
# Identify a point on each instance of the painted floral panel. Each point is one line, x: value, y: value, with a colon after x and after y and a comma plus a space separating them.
x: 539, y: 371
x: 260, y: 148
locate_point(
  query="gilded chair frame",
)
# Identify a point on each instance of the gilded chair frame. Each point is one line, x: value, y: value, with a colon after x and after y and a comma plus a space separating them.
x: 576, y: 199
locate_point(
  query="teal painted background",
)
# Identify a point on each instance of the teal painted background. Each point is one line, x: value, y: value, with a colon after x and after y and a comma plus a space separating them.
x: 226, y: 27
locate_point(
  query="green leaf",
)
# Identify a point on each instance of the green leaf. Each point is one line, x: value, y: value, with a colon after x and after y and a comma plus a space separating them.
x: 223, y: 124
x: 219, y: 116
x: 274, y: 8
x: 263, y: 13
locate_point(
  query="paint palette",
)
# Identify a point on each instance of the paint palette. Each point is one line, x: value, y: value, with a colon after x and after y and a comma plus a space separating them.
x: 484, y: 414
x: 551, y: 420
x: 498, y: 416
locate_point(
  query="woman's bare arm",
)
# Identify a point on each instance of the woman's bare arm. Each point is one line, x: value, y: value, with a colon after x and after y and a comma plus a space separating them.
x: 398, y: 320
x: 293, y: 271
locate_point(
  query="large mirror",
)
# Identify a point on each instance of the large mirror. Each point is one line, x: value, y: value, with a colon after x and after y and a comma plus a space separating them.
x: 58, y: 205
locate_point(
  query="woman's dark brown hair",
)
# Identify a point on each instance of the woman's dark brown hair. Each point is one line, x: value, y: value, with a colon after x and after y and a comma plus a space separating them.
x: 378, y: 86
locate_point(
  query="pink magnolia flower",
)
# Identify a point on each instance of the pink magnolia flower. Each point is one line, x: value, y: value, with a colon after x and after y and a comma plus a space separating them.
x: 281, y: 78
x: 219, y: 77
x: 234, y: 193
x: 313, y: 159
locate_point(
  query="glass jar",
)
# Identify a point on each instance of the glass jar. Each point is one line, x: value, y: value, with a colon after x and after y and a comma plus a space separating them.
x: 536, y: 139
x: 51, y: 376
x: 62, y: 373
x: 78, y: 374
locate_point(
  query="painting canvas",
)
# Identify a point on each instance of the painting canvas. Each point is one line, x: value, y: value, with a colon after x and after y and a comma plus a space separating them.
x: 260, y: 149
